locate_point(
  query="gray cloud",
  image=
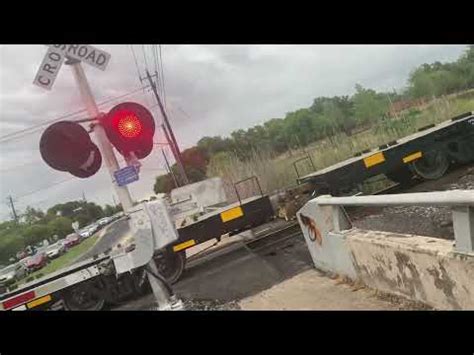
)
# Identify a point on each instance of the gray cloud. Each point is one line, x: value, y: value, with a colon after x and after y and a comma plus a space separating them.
x: 210, y: 90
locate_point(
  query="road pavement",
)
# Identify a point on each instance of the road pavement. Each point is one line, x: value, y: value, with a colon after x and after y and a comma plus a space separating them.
x: 113, y: 235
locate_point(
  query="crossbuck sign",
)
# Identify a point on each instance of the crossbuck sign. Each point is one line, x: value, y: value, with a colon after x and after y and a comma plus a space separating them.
x: 56, y: 54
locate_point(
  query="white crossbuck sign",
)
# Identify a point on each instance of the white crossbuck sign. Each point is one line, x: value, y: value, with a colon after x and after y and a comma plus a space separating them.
x: 56, y: 55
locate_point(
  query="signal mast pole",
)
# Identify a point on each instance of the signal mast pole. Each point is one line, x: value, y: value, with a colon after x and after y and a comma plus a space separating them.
x: 104, y: 144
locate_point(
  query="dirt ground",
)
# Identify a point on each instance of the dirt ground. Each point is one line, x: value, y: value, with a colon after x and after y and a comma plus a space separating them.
x: 312, y: 290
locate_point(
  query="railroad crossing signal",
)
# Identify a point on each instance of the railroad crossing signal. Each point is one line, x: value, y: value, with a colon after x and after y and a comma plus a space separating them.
x: 56, y: 54
x: 66, y: 146
x: 130, y: 128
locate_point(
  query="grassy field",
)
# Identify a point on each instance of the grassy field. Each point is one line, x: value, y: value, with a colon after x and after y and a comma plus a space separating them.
x: 277, y: 172
x: 61, y: 262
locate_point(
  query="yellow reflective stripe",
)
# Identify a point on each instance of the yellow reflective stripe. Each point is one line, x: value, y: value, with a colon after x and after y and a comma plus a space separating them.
x: 184, y: 245
x: 412, y: 157
x: 231, y: 214
x: 39, y: 301
x: 375, y: 159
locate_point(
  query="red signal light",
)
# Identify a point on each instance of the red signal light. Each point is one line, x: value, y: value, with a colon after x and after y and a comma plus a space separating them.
x: 129, y: 125
x: 130, y: 128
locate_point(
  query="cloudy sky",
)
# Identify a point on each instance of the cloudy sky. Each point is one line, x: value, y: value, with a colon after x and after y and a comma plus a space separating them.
x: 210, y: 90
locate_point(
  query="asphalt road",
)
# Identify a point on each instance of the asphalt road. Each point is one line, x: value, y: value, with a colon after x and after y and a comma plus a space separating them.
x: 237, y: 272
x: 114, y: 233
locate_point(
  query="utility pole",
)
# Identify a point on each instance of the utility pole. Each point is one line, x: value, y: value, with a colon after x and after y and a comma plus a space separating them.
x: 172, y: 140
x: 170, y: 144
x: 105, y: 146
x: 169, y: 168
x: 84, y: 196
x: 15, y: 216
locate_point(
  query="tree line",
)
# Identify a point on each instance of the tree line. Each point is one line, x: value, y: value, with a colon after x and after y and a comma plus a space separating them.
x: 328, y: 116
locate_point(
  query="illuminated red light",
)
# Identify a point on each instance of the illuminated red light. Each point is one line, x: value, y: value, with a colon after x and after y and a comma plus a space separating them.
x: 129, y: 126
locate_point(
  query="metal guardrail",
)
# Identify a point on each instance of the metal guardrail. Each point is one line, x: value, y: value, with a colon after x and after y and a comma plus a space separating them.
x: 445, y: 198
x: 461, y: 202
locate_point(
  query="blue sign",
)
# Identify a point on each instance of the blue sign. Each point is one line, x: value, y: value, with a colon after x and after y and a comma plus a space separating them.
x: 126, y: 175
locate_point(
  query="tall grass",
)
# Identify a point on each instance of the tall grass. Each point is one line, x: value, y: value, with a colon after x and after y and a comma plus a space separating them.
x: 276, y: 172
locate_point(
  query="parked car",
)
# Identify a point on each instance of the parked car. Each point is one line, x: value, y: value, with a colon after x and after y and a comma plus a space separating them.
x: 36, y: 262
x: 55, y: 250
x: 85, y: 233
x: 94, y: 227
x: 12, y: 273
x: 88, y: 231
x: 72, y: 240
x: 21, y: 255
x: 63, y: 242
x: 103, y: 222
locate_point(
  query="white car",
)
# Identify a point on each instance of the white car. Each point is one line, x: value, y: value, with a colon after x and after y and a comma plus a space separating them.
x: 12, y: 273
x: 86, y: 233
x: 103, y: 221
x: 55, y: 250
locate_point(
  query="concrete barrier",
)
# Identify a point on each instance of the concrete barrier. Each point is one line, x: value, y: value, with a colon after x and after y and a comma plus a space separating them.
x: 423, y: 269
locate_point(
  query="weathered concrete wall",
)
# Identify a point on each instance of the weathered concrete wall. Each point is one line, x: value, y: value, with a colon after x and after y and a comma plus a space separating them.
x: 420, y: 268
x: 328, y: 250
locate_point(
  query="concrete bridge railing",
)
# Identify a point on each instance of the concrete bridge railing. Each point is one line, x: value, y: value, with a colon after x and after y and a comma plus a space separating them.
x: 435, y: 271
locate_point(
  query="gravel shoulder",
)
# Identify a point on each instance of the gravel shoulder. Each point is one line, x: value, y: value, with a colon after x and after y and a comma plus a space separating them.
x: 426, y: 221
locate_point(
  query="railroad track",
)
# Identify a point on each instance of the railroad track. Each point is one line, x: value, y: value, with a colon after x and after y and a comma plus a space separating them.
x: 277, y: 236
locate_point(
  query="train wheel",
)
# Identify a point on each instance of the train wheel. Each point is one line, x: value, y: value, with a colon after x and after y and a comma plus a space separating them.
x: 402, y: 175
x: 84, y: 297
x: 432, y: 166
x: 171, y: 265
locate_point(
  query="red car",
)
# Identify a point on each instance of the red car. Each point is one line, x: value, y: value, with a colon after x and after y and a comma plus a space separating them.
x: 36, y: 262
x: 72, y: 239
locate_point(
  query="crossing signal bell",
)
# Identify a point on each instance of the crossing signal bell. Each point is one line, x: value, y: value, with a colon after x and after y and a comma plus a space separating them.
x: 130, y: 128
x: 66, y: 146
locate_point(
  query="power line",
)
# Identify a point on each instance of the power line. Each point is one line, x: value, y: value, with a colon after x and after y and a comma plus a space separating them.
x: 136, y: 62
x: 163, y: 78
x: 33, y: 129
x: 157, y: 72
x: 138, y: 69
x: 14, y: 168
x: 46, y: 187
x: 144, y: 56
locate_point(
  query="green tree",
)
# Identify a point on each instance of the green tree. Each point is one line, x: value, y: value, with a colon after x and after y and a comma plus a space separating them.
x: 10, y: 244
x: 33, y: 215
x: 163, y: 184
x: 369, y: 106
x: 61, y: 226
x: 109, y: 210
x: 36, y: 233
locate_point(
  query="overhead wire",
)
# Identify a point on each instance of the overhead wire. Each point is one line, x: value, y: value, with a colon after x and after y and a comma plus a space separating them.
x: 32, y: 129
x: 163, y: 78
x: 157, y: 70
x: 136, y: 63
x: 46, y: 187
